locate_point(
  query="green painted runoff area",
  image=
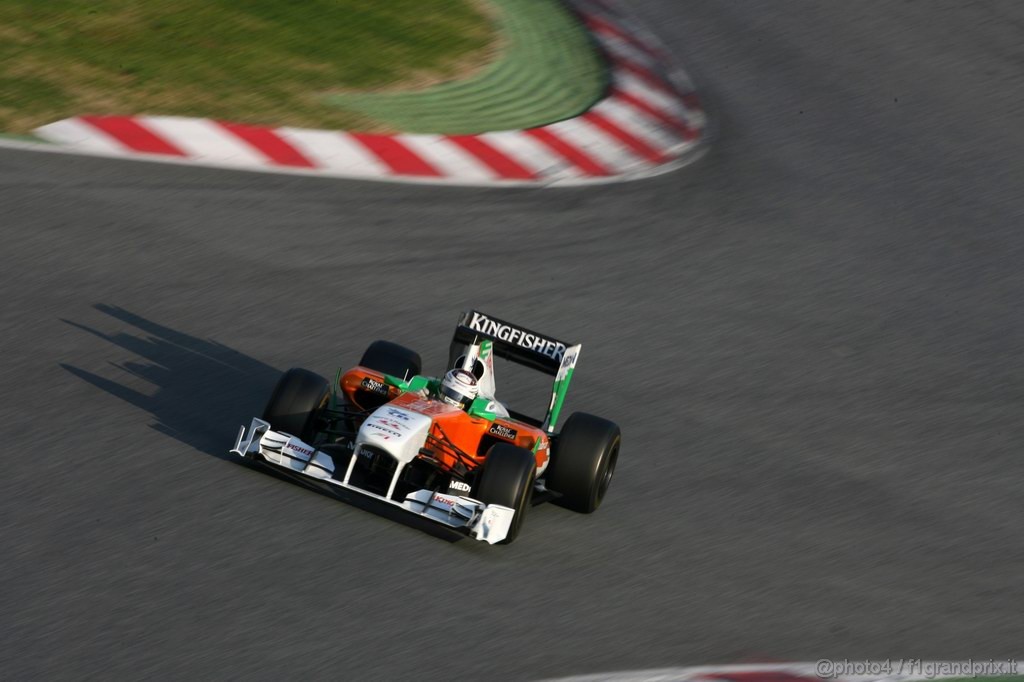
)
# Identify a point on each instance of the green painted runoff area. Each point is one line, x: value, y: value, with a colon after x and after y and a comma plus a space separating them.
x: 547, y: 71
x: 450, y: 66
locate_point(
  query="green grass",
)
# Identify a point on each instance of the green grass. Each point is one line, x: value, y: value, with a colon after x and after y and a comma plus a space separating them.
x: 260, y: 61
x: 548, y: 71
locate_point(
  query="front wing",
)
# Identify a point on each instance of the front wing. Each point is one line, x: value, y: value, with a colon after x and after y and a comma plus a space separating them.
x: 487, y: 522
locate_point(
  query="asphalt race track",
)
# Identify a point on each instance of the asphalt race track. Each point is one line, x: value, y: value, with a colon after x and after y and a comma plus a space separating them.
x: 811, y: 338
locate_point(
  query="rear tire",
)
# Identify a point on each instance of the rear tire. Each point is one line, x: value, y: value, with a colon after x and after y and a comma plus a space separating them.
x: 390, y: 358
x: 296, y: 402
x: 507, y: 479
x: 583, y: 461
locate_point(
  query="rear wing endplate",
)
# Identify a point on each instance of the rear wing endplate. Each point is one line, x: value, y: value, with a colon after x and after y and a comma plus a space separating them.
x: 523, y: 347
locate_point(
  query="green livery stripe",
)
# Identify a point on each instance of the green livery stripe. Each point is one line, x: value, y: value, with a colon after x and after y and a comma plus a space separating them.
x: 561, y: 388
x: 478, y: 408
x: 415, y: 383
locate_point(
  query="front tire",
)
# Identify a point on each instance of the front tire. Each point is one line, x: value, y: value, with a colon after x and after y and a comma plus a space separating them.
x: 583, y: 461
x: 393, y: 359
x: 507, y: 479
x: 296, y: 402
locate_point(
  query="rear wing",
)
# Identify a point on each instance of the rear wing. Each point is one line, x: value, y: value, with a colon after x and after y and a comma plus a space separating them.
x: 523, y: 347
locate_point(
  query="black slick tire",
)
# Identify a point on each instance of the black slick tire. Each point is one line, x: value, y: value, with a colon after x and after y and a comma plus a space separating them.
x: 393, y: 359
x: 507, y: 479
x: 583, y: 461
x: 295, y: 403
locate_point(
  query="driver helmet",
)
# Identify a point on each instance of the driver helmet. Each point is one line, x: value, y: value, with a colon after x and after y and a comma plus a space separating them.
x: 458, y: 388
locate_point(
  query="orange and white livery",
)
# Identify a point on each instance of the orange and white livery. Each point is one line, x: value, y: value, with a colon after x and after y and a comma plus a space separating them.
x: 382, y: 430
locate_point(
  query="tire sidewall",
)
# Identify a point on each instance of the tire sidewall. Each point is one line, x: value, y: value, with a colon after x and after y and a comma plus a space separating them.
x: 296, y: 401
x: 392, y: 359
x: 583, y: 461
x: 507, y: 479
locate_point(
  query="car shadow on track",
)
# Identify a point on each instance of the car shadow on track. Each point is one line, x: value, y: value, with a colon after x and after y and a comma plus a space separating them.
x: 201, y: 388
x: 202, y: 391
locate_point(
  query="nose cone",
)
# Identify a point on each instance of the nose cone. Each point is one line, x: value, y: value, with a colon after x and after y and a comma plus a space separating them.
x: 398, y: 431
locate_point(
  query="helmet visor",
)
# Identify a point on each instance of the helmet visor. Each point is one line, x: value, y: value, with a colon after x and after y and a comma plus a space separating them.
x: 455, y: 397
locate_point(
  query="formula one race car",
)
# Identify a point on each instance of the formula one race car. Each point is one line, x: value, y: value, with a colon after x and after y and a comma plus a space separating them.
x: 441, y: 448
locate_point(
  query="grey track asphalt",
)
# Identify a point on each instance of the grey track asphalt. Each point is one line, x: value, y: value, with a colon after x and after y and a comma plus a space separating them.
x: 811, y: 338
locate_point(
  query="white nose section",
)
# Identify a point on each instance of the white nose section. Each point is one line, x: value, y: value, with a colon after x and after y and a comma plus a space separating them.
x: 399, y: 432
